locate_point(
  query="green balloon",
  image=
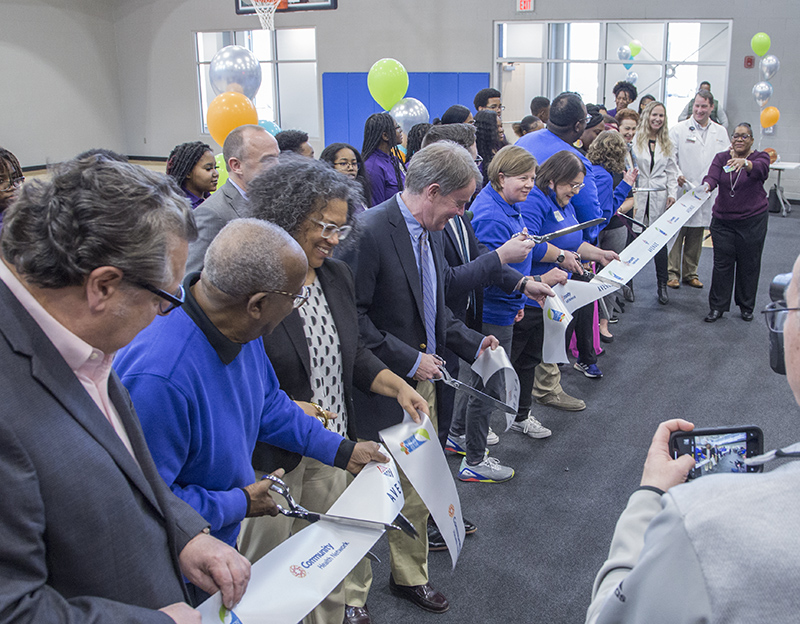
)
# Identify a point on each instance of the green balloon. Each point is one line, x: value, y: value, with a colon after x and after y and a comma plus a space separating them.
x: 760, y: 43
x: 388, y: 82
x: 635, y: 46
x: 222, y: 170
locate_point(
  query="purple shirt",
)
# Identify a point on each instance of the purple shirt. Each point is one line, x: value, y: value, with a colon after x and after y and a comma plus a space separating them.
x: 194, y: 199
x: 749, y: 197
x: 382, y: 176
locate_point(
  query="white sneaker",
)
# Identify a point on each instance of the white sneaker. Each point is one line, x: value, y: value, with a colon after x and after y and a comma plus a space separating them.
x: 492, y: 438
x: 490, y: 470
x: 532, y: 427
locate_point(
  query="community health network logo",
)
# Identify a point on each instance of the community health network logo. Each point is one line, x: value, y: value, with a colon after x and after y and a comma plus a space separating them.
x: 297, y: 571
x: 555, y: 315
x: 409, y: 445
x: 228, y: 617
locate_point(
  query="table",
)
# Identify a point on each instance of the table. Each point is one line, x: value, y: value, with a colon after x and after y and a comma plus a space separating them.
x: 780, y: 167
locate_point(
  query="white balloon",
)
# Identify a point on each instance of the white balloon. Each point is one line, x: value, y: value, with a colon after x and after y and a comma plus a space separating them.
x: 762, y: 92
x: 623, y: 53
x: 409, y: 112
x: 769, y: 66
x: 632, y: 77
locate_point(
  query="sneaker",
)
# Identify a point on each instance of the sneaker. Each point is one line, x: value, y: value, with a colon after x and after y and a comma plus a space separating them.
x: 456, y: 444
x: 562, y: 401
x: 492, y: 438
x: 532, y: 427
x: 590, y: 370
x: 488, y: 471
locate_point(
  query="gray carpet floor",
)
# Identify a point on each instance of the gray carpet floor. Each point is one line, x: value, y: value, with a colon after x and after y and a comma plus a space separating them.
x: 543, y: 535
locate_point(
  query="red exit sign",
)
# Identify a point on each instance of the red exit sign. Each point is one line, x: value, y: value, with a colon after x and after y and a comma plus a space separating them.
x: 524, y: 5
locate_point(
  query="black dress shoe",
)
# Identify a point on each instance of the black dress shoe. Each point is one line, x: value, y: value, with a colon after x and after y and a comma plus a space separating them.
x: 713, y: 315
x: 424, y: 596
x: 747, y: 315
x: 606, y: 339
x: 356, y: 615
x: 435, y: 540
x: 663, y: 297
x: 469, y: 528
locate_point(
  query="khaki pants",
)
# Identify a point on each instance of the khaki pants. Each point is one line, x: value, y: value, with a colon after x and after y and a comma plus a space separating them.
x: 690, y: 241
x: 547, y: 380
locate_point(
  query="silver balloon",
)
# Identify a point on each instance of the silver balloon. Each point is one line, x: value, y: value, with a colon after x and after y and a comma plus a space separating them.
x: 235, y: 68
x: 409, y: 112
x: 623, y: 53
x: 632, y: 77
x: 762, y: 92
x: 769, y: 66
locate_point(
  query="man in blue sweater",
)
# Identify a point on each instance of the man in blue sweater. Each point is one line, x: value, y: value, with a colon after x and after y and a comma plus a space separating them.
x: 205, y: 391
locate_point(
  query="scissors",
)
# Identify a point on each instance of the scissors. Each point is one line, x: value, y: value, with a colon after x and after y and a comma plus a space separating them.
x: 543, y: 238
x: 448, y: 379
x: 295, y: 510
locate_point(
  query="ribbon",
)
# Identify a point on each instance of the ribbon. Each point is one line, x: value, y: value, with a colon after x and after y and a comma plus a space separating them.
x: 310, y: 564
x: 416, y: 449
x: 490, y: 363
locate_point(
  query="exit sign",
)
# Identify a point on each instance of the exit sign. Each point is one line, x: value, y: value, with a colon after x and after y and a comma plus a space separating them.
x: 525, y: 5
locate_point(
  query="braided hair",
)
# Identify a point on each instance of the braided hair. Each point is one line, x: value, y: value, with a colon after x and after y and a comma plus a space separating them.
x: 183, y: 158
x: 328, y: 155
x: 375, y: 127
x: 414, y: 140
x: 487, y: 139
x: 9, y: 165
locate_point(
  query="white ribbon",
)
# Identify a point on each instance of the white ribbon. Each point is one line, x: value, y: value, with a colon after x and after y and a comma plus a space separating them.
x: 416, y: 449
x: 491, y: 362
x: 310, y: 564
x: 556, y: 319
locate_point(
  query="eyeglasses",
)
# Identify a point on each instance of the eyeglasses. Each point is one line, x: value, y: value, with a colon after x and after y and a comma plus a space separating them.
x: 329, y: 229
x: 13, y: 185
x: 741, y: 136
x: 479, y: 160
x: 298, y: 299
x: 775, y: 315
x: 576, y: 187
x: 170, y: 301
x: 496, y: 107
x: 345, y: 164
x: 588, y: 118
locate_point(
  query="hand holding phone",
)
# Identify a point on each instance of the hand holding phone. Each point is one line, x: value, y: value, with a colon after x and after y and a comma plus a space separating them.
x: 720, y: 450
x: 661, y: 470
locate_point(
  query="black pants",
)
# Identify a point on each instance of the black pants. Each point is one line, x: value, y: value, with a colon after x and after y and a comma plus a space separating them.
x: 737, y: 256
x: 526, y: 353
x: 583, y: 325
x: 661, y: 261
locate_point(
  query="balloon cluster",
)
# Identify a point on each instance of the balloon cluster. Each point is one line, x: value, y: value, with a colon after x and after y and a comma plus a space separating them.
x: 388, y: 82
x: 235, y: 76
x: 762, y: 91
x: 628, y: 53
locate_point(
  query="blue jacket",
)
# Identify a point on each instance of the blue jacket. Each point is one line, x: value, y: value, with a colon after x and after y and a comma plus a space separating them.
x: 495, y: 221
x: 610, y: 198
x: 543, y: 144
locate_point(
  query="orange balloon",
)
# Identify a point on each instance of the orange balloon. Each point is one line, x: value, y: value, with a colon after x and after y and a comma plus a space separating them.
x: 228, y: 111
x: 770, y: 116
x: 773, y: 155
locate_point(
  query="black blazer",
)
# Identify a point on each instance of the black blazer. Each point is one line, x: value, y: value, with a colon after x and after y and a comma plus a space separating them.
x: 389, y: 300
x: 288, y: 352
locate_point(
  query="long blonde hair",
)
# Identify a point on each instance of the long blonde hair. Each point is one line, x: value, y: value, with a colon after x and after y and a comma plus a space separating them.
x: 643, y: 130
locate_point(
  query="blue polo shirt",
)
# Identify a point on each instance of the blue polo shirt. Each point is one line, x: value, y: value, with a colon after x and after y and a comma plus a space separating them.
x: 495, y: 221
x: 543, y: 144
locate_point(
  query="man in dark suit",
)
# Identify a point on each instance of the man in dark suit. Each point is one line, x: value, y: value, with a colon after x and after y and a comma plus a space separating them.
x: 90, y: 531
x: 248, y: 150
x: 399, y: 259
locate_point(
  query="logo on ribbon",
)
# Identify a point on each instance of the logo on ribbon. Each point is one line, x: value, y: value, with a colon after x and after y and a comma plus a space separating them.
x: 223, y: 613
x: 298, y: 571
x: 451, y: 510
x: 409, y: 445
x: 385, y: 471
x: 555, y: 315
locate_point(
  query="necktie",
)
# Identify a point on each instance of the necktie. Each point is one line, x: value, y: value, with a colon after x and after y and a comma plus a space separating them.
x: 428, y: 278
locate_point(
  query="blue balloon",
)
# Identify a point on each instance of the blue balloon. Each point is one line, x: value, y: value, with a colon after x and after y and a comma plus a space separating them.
x: 269, y: 126
x: 627, y: 65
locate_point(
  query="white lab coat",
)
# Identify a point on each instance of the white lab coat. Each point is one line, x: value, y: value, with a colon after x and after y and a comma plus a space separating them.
x: 694, y: 157
x: 663, y: 175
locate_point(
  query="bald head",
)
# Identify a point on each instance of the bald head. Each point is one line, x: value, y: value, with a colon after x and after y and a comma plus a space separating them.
x: 249, y: 150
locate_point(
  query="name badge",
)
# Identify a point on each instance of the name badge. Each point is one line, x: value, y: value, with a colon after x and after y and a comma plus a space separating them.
x: 691, y: 139
x: 558, y: 215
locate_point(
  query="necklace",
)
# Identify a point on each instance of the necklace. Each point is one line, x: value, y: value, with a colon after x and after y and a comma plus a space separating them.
x: 730, y: 173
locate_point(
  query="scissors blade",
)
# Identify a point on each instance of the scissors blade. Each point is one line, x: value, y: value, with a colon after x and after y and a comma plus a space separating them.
x: 405, y: 526
x: 632, y: 220
x: 482, y: 396
x: 568, y: 230
x: 312, y: 516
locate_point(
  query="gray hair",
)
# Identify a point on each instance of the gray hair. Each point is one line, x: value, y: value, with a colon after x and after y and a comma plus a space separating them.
x: 296, y: 189
x: 706, y: 95
x: 246, y: 258
x: 235, y: 144
x: 444, y: 163
x: 96, y: 212
x: 461, y: 133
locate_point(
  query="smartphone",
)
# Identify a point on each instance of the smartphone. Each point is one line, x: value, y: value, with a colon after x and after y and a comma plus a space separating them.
x: 718, y: 451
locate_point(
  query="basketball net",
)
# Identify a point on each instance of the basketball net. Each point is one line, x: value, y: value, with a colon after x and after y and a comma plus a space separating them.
x: 265, y: 9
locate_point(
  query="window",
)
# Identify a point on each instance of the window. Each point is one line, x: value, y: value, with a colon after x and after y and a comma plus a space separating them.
x: 288, y: 95
x: 546, y: 58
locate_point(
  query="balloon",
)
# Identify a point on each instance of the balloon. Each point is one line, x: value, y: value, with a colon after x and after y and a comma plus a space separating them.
x: 409, y: 112
x: 636, y: 46
x: 627, y: 65
x: 623, y: 53
x: 769, y: 66
x: 222, y: 170
x: 388, y: 82
x: 770, y: 116
x: 762, y: 92
x: 228, y: 111
x: 760, y: 43
x: 235, y: 68
x: 269, y: 126
x: 632, y: 77
x: 773, y: 155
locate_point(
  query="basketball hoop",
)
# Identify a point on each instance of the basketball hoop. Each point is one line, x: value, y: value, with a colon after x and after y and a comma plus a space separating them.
x: 265, y: 9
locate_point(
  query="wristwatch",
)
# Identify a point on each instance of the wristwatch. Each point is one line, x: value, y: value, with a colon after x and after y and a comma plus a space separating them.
x: 560, y: 258
x: 522, y: 284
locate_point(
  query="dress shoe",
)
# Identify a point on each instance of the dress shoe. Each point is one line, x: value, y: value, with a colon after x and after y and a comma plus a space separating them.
x: 356, y: 615
x: 694, y: 283
x: 606, y: 339
x: 663, y: 297
x: 674, y: 283
x: 436, y: 541
x: 747, y: 315
x: 713, y: 315
x: 424, y: 596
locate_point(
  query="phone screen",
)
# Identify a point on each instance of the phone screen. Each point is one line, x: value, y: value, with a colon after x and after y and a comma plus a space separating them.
x: 718, y: 452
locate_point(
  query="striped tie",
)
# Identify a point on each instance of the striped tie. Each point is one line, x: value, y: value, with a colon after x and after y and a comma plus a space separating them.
x: 428, y: 276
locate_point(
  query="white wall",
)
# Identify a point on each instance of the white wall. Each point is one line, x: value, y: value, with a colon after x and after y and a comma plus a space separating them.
x: 63, y: 45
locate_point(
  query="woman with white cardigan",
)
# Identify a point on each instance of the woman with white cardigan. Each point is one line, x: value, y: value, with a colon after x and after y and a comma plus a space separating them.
x: 654, y: 155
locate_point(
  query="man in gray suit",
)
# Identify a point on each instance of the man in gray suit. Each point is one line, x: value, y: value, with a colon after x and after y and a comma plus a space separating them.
x: 248, y: 150
x: 91, y: 533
